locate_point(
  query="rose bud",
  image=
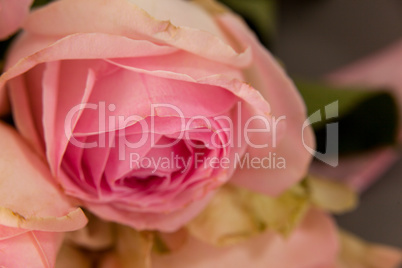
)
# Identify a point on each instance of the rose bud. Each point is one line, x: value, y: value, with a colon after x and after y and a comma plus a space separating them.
x: 143, y: 109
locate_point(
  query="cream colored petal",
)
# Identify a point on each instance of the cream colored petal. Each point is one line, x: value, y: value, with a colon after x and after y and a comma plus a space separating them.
x: 180, y: 13
x: 332, y: 196
x: 236, y: 214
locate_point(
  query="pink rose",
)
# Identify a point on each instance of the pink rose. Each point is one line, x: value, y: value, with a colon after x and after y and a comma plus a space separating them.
x: 106, y: 89
x: 12, y: 15
x: 34, y: 214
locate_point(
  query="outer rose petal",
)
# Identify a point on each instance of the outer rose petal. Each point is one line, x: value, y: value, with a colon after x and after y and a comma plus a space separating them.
x: 121, y: 17
x: 29, y: 199
x: 267, y: 76
x: 28, y: 52
x: 180, y: 13
x: 10, y: 232
x: 313, y: 244
x: 12, y: 15
x: 30, y: 249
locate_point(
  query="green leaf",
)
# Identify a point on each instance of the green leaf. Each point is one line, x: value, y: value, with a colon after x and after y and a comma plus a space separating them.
x: 259, y: 14
x: 38, y: 3
x: 3, y: 48
x: 367, y: 118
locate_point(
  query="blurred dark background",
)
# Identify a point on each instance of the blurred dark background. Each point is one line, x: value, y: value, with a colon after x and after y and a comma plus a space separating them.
x: 315, y: 37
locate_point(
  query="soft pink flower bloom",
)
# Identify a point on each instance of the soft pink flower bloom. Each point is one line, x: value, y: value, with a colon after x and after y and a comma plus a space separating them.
x: 127, y: 56
x: 12, y: 15
x: 381, y: 70
x: 34, y: 214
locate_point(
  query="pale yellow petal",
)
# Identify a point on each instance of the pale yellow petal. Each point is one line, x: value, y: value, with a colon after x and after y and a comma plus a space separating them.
x: 332, y: 196
x: 236, y: 214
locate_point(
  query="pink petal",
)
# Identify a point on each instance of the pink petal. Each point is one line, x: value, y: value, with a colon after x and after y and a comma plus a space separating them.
x: 28, y: 115
x: 165, y: 222
x: 65, y: 84
x: 9, y: 232
x: 12, y: 15
x: 181, y: 62
x: 313, y: 244
x: 30, y: 249
x: 268, y: 77
x: 139, y: 90
x: 239, y: 88
x: 26, y: 180
x: 30, y: 51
